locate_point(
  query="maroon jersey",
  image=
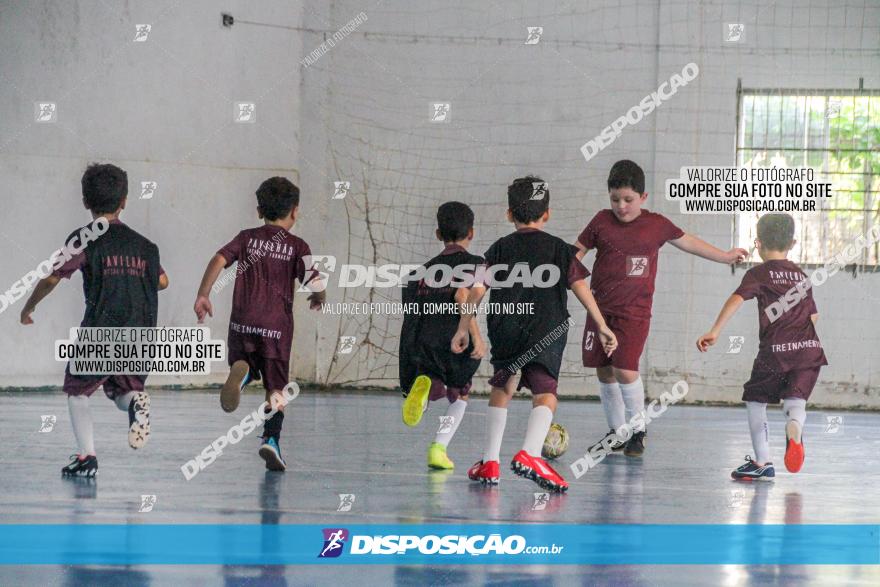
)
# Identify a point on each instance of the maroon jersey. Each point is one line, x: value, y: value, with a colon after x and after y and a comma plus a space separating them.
x: 626, y: 260
x: 269, y: 260
x: 790, y: 341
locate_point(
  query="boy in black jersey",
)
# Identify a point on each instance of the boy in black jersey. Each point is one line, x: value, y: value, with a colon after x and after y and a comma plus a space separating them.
x: 528, y: 266
x: 428, y: 368
x: 121, y: 278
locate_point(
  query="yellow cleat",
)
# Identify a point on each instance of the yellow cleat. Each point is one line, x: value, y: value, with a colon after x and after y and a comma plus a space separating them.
x: 437, y: 458
x: 415, y: 403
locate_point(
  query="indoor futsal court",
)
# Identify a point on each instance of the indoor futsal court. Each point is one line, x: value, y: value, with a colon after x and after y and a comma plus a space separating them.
x: 426, y: 293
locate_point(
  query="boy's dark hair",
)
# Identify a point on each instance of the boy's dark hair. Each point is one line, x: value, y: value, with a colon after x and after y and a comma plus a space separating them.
x: 776, y: 231
x: 104, y: 186
x: 276, y: 197
x: 626, y: 174
x: 528, y: 198
x: 454, y: 220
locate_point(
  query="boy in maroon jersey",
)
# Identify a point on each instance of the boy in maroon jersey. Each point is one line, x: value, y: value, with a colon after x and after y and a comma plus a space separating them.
x: 529, y: 342
x: 261, y: 325
x: 789, y: 354
x: 627, y: 240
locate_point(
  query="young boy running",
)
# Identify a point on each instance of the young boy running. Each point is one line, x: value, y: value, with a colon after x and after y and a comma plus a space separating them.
x: 533, y: 271
x: 429, y: 370
x: 121, y: 278
x: 627, y: 239
x: 261, y: 325
x: 789, y: 352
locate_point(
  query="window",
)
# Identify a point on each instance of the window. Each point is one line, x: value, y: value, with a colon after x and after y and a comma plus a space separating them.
x: 837, y: 133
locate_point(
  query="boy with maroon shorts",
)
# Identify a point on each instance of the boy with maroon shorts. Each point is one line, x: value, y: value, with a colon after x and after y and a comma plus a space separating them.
x: 530, y: 270
x: 429, y: 370
x: 789, y: 353
x: 269, y: 259
x: 627, y: 240
x: 121, y: 278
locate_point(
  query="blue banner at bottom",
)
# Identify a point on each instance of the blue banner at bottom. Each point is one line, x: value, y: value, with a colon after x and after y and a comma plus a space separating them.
x: 438, y: 544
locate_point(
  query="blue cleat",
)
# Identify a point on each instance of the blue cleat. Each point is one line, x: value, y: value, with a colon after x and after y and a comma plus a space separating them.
x: 271, y: 453
x: 752, y: 471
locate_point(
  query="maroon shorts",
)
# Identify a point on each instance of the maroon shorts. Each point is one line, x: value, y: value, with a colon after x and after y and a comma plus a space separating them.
x: 439, y: 390
x: 114, y: 385
x: 273, y: 372
x: 768, y: 387
x: 534, y: 376
x: 631, y: 335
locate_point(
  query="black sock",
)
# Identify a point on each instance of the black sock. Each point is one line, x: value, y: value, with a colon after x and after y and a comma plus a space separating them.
x: 272, y: 428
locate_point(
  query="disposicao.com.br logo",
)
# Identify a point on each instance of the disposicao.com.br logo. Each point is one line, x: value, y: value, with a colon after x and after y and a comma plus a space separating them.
x: 320, y: 267
x: 334, y: 540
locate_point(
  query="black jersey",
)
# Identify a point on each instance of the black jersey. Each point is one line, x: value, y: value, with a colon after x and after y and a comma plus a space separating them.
x: 120, y: 278
x: 513, y: 336
x: 426, y: 335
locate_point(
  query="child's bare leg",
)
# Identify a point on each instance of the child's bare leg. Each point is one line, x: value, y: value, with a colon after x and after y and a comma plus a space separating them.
x: 606, y: 374
x: 545, y: 399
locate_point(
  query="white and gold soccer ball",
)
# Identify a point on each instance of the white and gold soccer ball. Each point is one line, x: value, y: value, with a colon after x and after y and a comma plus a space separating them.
x: 556, y: 442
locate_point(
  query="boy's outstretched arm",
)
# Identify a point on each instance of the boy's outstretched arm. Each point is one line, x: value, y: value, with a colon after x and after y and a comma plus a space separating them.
x: 697, y: 246
x: 585, y: 297
x: 203, y: 305
x: 468, y: 315
x: 44, y: 288
x: 727, y: 311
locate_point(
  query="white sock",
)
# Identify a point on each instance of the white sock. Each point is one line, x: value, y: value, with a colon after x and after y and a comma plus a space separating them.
x: 759, y: 431
x: 81, y: 420
x: 456, y: 412
x: 497, y: 422
x: 123, y: 401
x: 633, y: 400
x: 795, y: 409
x: 539, y: 425
x: 612, y: 403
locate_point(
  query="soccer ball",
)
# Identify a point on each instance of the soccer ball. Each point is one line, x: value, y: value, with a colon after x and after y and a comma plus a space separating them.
x: 556, y: 442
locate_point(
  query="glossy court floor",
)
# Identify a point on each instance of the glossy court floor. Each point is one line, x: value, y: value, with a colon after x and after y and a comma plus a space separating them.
x: 346, y: 443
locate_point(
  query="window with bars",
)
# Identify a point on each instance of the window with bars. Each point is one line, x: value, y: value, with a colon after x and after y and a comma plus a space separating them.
x: 837, y: 133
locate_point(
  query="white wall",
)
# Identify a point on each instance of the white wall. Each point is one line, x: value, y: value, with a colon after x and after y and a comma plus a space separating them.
x: 518, y: 109
x: 161, y: 109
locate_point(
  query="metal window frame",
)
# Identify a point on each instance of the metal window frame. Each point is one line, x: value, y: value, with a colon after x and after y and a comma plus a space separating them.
x: 853, y: 268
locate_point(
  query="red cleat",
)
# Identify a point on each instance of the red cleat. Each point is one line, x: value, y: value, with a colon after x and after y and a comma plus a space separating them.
x: 537, y: 469
x: 485, y: 473
x: 794, y: 447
